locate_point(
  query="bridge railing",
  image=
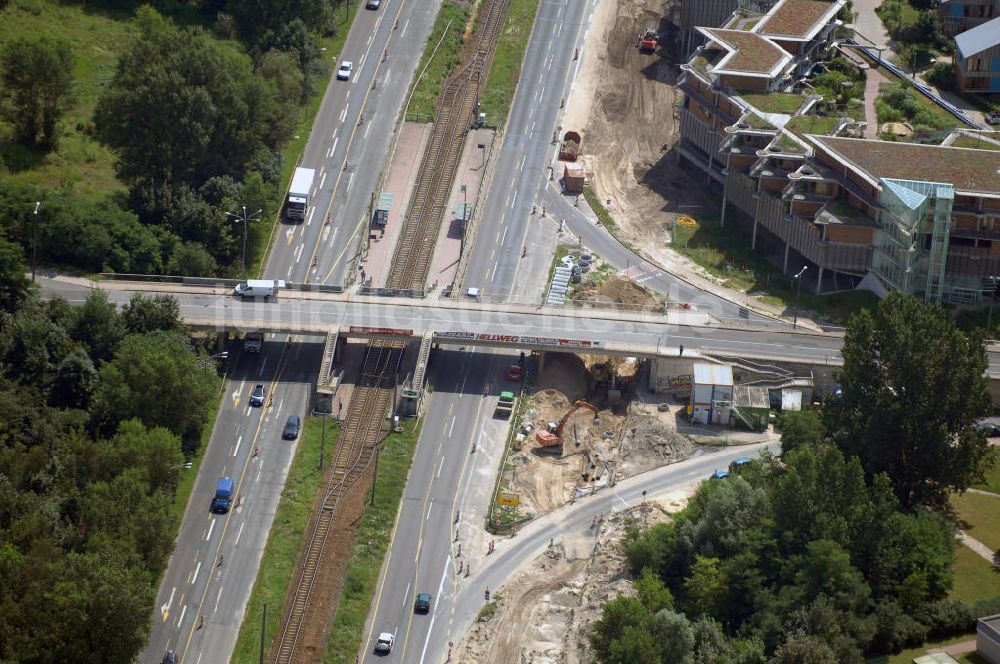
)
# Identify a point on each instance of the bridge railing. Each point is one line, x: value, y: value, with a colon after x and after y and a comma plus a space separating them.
x: 214, y: 282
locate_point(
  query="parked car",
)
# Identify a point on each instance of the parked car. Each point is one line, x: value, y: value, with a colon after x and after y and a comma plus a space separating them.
x: 423, y: 603
x: 292, y: 426
x: 993, y: 117
x: 373, y: 4
x: 258, y: 395
x: 384, y: 642
x: 515, y: 372
x: 992, y: 429
x: 344, y: 73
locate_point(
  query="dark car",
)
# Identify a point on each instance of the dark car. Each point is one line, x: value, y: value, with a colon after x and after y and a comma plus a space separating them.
x: 292, y: 426
x: 423, y: 603
x: 991, y: 429
x: 258, y: 395
x: 170, y: 658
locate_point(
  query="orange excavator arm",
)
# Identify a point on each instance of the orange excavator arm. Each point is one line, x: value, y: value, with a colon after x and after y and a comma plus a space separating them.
x: 577, y: 406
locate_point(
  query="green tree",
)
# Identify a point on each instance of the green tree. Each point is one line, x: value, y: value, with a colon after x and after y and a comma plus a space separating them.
x: 798, y: 428
x: 37, y: 74
x: 155, y: 377
x: 673, y: 632
x: 706, y: 587
x: 617, y: 617
x: 913, y: 388
x: 14, y: 283
x: 804, y: 649
x: 155, y: 313
x: 75, y: 380
x: 652, y: 593
x: 98, y: 325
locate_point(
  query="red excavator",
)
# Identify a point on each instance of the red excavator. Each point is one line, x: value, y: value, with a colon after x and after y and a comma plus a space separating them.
x: 553, y: 436
x: 649, y: 40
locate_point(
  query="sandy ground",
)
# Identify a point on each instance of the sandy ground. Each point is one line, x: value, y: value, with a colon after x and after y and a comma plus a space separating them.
x: 544, y: 612
x: 625, y: 439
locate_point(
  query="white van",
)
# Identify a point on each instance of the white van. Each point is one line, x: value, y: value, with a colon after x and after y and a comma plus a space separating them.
x: 259, y: 288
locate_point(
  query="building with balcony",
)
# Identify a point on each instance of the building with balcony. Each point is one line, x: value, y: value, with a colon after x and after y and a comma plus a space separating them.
x: 977, y: 58
x: 960, y: 15
x: 919, y: 218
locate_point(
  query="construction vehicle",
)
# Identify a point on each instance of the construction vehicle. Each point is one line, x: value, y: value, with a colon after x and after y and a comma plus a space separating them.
x: 569, y: 149
x: 553, y: 437
x: 649, y: 40
x: 505, y: 406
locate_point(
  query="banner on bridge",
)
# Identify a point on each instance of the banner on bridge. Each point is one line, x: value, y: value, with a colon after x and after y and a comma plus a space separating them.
x: 518, y: 340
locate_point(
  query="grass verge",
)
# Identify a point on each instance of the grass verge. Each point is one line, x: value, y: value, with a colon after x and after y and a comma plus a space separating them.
x: 726, y: 254
x: 992, y: 478
x: 506, y: 67
x: 982, y: 513
x: 374, y: 533
x: 602, y: 212
x: 975, y: 578
x: 449, y: 24
x: 285, y: 539
x: 186, y: 476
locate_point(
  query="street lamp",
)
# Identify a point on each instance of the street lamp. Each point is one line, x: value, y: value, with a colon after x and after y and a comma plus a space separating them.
x: 798, y: 292
x: 989, y: 316
x: 185, y: 466
x: 246, y: 222
x: 34, y: 241
x: 203, y: 361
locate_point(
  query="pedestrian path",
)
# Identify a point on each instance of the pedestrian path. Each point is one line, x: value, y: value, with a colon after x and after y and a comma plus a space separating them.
x: 976, y: 546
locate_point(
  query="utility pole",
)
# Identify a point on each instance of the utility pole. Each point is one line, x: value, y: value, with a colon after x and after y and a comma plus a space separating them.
x: 322, y: 444
x: 798, y: 292
x: 34, y: 242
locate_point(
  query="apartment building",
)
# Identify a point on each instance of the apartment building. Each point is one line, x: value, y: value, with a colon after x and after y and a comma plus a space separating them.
x: 977, y: 58
x: 960, y: 15
x: 922, y: 219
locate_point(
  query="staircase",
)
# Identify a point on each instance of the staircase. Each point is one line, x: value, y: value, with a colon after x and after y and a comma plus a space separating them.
x: 328, y: 379
x: 420, y: 372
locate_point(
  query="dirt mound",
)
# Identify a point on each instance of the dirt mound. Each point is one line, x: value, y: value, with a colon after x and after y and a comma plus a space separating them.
x: 649, y: 442
x: 543, y: 614
x: 616, y: 290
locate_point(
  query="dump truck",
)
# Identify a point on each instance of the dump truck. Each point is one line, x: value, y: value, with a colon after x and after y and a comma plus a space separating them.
x: 223, y: 495
x: 264, y: 288
x: 569, y: 149
x: 299, y: 194
x: 505, y: 406
x: 574, y: 179
x: 648, y: 40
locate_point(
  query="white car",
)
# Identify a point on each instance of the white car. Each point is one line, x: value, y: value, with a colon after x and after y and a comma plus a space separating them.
x: 384, y: 642
x: 344, y: 73
x: 373, y: 4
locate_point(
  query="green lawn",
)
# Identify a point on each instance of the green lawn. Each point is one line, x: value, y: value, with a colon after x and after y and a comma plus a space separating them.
x: 506, y: 68
x: 992, y: 481
x: 453, y: 17
x: 602, y: 213
x: 775, y: 102
x: 285, y: 539
x: 971, y: 142
x: 801, y: 125
x: 726, y: 253
x: 982, y: 513
x: 79, y: 163
x: 975, y: 578
x: 347, y: 630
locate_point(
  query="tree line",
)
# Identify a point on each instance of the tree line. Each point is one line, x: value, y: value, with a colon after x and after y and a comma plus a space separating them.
x: 196, y: 125
x: 98, y: 411
x: 840, y: 548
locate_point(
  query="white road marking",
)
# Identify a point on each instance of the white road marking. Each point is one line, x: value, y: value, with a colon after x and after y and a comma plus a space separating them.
x: 196, y: 570
x: 289, y: 274
x: 367, y: 129
x: 211, y: 527
x: 343, y: 115
x: 180, y: 619
x: 430, y: 628
x: 495, y: 266
x: 298, y: 253
x: 336, y: 139
x: 238, y: 441
x: 329, y: 152
x: 504, y: 235
x: 259, y: 468
x: 429, y: 509
x: 280, y: 404
x: 166, y: 605
x: 260, y: 370
x: 312, y: 211
x: 452, y: 427
x: 350, y: 181
x: 440, y: 468
x: 322, y: 181
x: 240, y: 534
x: 406, y: 594
x: 405, y: 26
x: 218, y: 597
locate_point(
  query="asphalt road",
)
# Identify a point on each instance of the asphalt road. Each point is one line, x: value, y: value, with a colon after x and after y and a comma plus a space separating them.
x: 349, y: 142
x: 520, y: 172
x: 348, y: 154
x: 446, y: 475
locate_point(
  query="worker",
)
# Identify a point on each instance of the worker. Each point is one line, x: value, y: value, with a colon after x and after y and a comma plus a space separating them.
x: 487, y: 594
x: 222, y: 559
x: 201, y: 622
x: 681, y: 350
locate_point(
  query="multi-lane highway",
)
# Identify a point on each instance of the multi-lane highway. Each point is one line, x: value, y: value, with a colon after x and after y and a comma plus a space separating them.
x: 347, y: 146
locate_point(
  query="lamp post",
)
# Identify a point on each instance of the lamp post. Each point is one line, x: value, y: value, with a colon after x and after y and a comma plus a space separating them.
x: 34, y: 241
x: 798, y: 292
x: 989, y: 315
x: 246, y: 222
x: 203, y: 361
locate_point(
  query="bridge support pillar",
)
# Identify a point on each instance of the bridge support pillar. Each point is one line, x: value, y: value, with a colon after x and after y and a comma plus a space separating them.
x: 784, y: 266
x: 819, y: 280
x: 541, y: 362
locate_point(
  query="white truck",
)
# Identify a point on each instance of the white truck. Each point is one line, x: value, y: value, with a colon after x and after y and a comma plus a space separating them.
x: 264, y: 288
x: 299, y: 194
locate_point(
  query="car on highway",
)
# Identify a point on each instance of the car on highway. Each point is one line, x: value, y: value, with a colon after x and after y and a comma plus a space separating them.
x: 373, y: 4
x: 384, y: 642
x: 423, y: 603
x: 258, y: 395
x: 515, y: 373
x: 344, y: 73
x: 292, y: 426
x: 170, y: 658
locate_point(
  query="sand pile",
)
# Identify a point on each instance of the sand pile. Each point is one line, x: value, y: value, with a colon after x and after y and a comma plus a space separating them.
x: 616, y: 290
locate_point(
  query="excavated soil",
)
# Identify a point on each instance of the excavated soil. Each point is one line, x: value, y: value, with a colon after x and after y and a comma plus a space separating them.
x: 624, y: 441
x: 545, y: 611
x: 616, y: 290
x: 623, y: 104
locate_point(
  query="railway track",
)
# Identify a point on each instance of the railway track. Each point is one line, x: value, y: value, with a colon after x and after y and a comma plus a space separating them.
x: 355, y: 453
x: 456, y: 105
